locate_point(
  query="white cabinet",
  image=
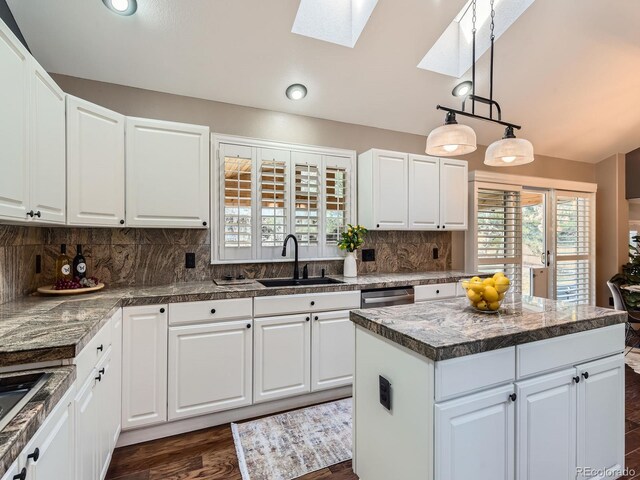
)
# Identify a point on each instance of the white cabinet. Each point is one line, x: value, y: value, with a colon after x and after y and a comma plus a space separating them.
x: 209, y: 367
x: 332, y: 350
x: 87, y: 419
x: 47, y: 148
x: 144, y: 366
x: 167, y: 174
x: 49, y: 455
x: 546, y: 427
x: 14, y: 104
x: 400, y: 191
x: 453, y: 194
x: 601, y: 415
x: 424, y: 192
x: 95, y: 165
x: 474, y: 437
x: 282, y: 357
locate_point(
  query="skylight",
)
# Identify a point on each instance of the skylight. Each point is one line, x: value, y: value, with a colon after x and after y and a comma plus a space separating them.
x: 451, y: 54
x: 335, y: 21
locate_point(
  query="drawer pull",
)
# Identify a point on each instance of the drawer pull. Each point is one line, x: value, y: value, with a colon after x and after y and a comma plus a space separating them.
x: 576, y: 379
x: 35, y: 455
x: 312, y: 303
x: 22, y: 475
x: 513, y: 397
x: 437, y: 291
x: 101, y: 371
x: 248, y: 325
x: 585, y: 375
x: 162, y: 310
x: 100, y: 348
x: 99, y: 377
x: 213, y: 310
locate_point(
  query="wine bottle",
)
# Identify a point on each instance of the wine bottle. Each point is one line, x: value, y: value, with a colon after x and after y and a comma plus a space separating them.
x: 79, y: 264
x: 63, y: 264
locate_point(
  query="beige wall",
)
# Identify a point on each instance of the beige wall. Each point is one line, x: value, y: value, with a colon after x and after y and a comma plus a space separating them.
x: 252, y: 122
x: 634, y: 211
x: 612, y: 223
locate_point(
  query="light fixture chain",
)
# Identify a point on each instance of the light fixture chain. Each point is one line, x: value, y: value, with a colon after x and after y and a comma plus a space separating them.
x: 493, y: 16
x: 473, y: 17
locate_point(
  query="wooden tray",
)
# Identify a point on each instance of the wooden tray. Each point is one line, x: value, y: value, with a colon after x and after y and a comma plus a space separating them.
x: 49, y: 290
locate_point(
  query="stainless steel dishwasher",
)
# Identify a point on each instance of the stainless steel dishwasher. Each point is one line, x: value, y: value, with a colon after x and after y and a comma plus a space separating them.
x: 386, y: 297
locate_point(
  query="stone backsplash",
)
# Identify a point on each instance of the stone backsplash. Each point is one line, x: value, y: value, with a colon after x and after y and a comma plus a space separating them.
x: 145, y: 257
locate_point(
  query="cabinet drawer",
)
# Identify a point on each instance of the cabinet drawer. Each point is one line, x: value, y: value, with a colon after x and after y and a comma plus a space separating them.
x: 312, y: 302
x: 210, y: 310
x: 97, y: 347
x: 434, y: 292
x: 558, y: 352
x: 471, y: 373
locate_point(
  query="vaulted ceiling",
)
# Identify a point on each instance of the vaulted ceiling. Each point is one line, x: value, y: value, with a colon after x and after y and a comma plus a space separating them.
x: 567, y: 70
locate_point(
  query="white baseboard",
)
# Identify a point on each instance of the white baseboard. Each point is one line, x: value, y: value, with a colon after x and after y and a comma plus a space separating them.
x: 131, y: 437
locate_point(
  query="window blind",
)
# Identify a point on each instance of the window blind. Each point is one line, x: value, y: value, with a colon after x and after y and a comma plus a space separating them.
x: 573, y: 216
x: 336, y: 190
x: 273, y: 194
x: 237, y: 202
x: 307, y: 203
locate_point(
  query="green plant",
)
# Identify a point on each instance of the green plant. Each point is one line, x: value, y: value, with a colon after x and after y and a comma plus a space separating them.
x: 631, y: 275
x: 353, y: 238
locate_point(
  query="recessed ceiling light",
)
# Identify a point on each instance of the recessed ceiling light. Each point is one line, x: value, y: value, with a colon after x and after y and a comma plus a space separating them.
x: 462, y: 89
x: 297, y: 91
x: 122, y: 7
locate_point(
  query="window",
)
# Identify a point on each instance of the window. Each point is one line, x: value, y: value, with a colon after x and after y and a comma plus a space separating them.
x: 268, y: 190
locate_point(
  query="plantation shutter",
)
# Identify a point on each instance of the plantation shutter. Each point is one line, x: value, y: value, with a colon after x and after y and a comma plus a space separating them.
x: 236, y: 192
x: 574, y: 228
x: 307, y: 202
x: 274, y: 205
x: 498, y: 232
x: 337, y: 207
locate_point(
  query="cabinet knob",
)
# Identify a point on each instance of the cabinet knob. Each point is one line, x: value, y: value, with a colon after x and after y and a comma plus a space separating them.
x: 513, y: 397
x: 378, y: 226
x: 248, y: 325
x: 38, y: 214
x: 35, y: 455
x: 101, y: 371
x: 121, y: 222
x: 437, y: 291
x: 307, y: 319
x: 162, y: 310
x: 99, y: 377
x: 585, y: 375
x: 315, y: 318
x: 100, y: 348
x: 443, y: 226
x: 22, y: 475
x: 213, y: 310
x: 312, y: 303
x: 438, y: 226
x: 204, y: 224
x: 30, y: 213
x: 576, y: 379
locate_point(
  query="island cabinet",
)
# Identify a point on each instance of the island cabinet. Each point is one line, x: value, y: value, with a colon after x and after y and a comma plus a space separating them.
x: 545, y: 410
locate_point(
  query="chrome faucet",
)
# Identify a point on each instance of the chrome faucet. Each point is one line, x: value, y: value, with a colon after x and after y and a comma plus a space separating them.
x: 296, y: 272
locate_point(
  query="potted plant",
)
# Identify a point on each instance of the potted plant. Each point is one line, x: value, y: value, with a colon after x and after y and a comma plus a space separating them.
x: 631, y: 275
x: 351, y: 240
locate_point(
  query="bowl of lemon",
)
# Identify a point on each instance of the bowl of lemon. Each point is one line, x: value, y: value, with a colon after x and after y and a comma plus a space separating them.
x: 486, y: 294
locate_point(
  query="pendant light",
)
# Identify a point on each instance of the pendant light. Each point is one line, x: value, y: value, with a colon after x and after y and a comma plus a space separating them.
x: 509, y: 152
x: 452, y: 139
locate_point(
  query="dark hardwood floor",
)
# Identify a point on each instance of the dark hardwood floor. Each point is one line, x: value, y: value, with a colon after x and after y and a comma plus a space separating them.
x: 210, y: 454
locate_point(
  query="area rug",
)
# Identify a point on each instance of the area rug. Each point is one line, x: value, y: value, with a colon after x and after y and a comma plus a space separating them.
x: 292, y: 444
x: 632, y: 358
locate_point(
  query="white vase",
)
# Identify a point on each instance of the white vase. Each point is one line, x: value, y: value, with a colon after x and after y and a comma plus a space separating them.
x: 350, y: 265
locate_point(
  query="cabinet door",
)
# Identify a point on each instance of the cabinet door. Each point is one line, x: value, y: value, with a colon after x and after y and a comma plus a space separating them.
x: 282, y: 359
x: 390, y: 197
x: 167, y: 174
x: 474, y: 437
x: 114, y: 380
x: 144, y: 366
x: 14, y: 103
x: 332, y: 350
x: 424, y: 192
x: 52, y: 446
x: 546, y: 426
x: 601, y: 416
x: 86, y: 424
x: 209, y: 368
x: 453, y: 194
x: 47, y: 151
x: 95, y: 164
x: 104, y: 431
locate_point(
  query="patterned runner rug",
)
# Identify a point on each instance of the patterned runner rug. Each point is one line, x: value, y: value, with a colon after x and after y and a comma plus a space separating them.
x: 633, y: 358
x: 288, y: 445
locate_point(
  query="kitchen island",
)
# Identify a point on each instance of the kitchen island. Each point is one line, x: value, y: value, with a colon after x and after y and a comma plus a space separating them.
x: 535, y: 392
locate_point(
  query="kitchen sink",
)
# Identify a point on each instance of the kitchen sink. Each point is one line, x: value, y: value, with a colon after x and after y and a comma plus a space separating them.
x: 16, y: 391
x: 290, y: 282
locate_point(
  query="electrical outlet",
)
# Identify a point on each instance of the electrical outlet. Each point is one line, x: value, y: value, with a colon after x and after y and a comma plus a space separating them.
x: 190, y: 260
x: 385, y: 392
x: 436, y: 254
x: 38, y: 263
x: 368, y: 255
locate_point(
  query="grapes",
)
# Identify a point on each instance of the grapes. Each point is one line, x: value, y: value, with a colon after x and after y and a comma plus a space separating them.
x: 76, y: 283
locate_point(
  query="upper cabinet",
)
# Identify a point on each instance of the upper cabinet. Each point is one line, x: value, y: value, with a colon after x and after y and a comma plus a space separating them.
x: 95, y: 165
x: 32, y: 186
x: 167, y: 174
x: 400, y: 191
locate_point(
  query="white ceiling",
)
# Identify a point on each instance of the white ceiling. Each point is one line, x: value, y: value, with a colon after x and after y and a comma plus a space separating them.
x: 568, y: 70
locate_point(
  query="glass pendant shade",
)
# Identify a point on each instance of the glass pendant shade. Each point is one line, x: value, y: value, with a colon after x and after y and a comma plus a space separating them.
x: 451, y: 139
x: 509, y: 152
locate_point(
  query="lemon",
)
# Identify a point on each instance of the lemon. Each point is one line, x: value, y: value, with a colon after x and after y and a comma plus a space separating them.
x: 489, y: 281
x: 475, y: 279
x: 491, y: 294
x: 477, y: 287
x: 497, y: 275
x: 474, y: 296
x: 493, y: 306
x: 482, y: 305
x: 502, y: 284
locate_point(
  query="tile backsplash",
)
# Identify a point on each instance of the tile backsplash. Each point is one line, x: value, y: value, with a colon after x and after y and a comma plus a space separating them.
x: 124, y: 257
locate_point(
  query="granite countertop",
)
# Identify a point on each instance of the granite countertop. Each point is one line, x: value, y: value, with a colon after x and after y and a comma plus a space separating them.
x: 38, y: 328
x: 15, y: 436
x: 445, y: 329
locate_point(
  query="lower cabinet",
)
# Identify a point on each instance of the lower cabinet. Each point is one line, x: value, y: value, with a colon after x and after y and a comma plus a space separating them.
x: 144, y: 366
x: 474, y: 437
x: 209, y: 368
x: 282, y: 357
x: 332, y: 350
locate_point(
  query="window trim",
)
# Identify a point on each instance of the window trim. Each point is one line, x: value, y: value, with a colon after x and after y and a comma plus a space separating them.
x: 328, y: 154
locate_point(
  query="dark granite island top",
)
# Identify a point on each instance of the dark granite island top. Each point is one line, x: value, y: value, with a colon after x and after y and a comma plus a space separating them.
x: 445, y: 329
